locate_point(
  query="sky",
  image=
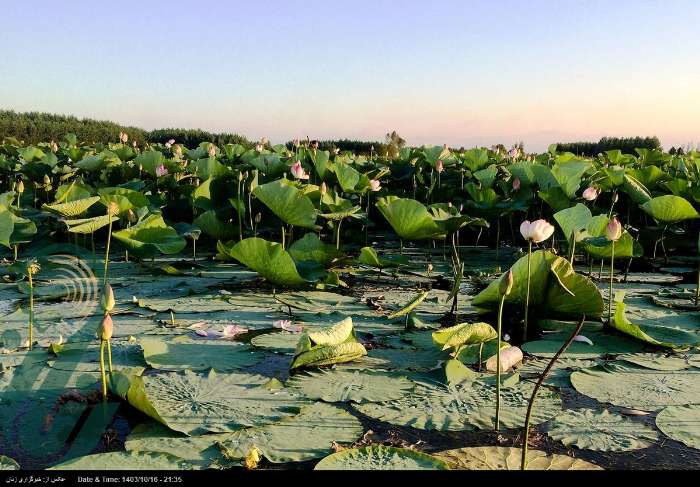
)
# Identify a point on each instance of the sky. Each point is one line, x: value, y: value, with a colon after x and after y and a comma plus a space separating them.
x: 460, y: 72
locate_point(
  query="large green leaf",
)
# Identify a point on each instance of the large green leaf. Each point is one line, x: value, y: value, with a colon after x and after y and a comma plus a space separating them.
x: 268, y: 259
x: 182, y: 353
x: 288, y: 203
x: 573, y: 220
x: 368, y: 256
x: 670, y: 209
x: 351, y: 386
x: 638, y: 388
x: 509, y: 458
x: 464, y: 334
x: 310, y: 248
x: 308, y: 435
x: 151, y: 236
x: 196, y: 404
x: 210, y: 223
x: 119, y: 460
x: 89, y: 225
x: 681, y: 423
x: 554, y: 286
x: 651, y: 332
x: 6, y: 463
x: 601, y: 247
x: 72, y: 208
x: 328, y: 345
x: 409, y: 218
x: 601, y: 431
x: 380, y: 457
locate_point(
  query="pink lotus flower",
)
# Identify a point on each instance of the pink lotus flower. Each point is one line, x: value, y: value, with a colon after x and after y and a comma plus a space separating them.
x: 287, y: 325
x: 516, y: 184
x: 375, y: 185
x: 514, y: 153
x: 123, y: 137
x: 258, y: 148
x: 171, y: 141
x: 298, y: 171
x: 590, y: 193
x: 537, y: 231
x: 161, y: 171
x: 168, y: 145
x: 439, y: 166
x: 231, y: 331
x: 613, y: 231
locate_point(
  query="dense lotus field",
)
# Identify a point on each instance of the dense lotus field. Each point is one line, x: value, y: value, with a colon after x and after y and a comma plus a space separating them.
x: 235, y: 307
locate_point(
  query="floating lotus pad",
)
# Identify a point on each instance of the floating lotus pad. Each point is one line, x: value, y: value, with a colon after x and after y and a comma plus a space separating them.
x: 351, y: 386
x: 681, y: 423
x: 659, y: 361
x: 155, y: 437
x: 184, y: 353
x: 278, y: 342
x: 603, y: 344
x: 464, y: 406
x: 559, y: 374
x: 637, y: 387
x: 601, y: 431
x: 119, y: 460
x: 6, y: 463
x: 306, y: 436
x: 380, y: 457
x: 505, y: 458
x: 198, y: 404
x: 407, y: 359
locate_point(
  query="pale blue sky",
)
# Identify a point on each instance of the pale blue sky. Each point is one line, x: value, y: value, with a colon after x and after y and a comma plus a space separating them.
x: 441, y: 71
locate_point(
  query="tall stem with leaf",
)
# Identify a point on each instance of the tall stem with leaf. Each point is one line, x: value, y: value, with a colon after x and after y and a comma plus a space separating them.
x: 527, y: 292
x: 505, y: 287
x: 613, y: 232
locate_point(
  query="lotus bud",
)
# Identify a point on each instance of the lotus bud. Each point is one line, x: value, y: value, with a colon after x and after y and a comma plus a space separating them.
x: 514, y: 153
x: 439, y: 166
x: 336, y: 151
x: 20, y: 186
x: 178, y: 151
x: 295, y: 143
x: 107, y: 299
x: 509, y: 357
x: 168, y: 145
x: 161, y: 170
x: 375, y: 185
x: 449, y: 204
x: 537, y: 231
x: 212, y: 150
x: 430, y: 268
x: 124, y: 137
x: 616, y: 197
x: 113, y: 208
x: 131, y: 216
x: 171, y: 141
x: 506, y: 284
x: 47, y: 180
x: 258, y: 148
x: 590, y: 194
x: 613, y: 231
x: 258, y: 217
x: 298, y: 171
x: 106, y: 328
x: 240, y: 176
x: 516, y: 184
x: 134, y: 144
x: 461, y: 208
x: 54, y: 146
x: 324, y: 188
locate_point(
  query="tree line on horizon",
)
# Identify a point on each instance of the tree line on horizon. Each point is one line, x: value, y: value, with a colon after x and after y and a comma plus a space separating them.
x: 35, y: 127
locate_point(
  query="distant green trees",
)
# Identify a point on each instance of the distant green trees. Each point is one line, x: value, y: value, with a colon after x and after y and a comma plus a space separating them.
x: 194, y: 137
x: 35, y: 127
x: 624, y: 144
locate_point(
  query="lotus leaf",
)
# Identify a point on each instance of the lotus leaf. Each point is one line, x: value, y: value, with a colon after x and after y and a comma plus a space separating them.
x: 182, y: 353
x: 328, y: 345
x: 197, y: 404
x: 151, y: 236
x: 601, y: 431
x: 638, y: 388
x: 351, y: 386
x: 380, y: 457
x: 268, y: 259
x: 464, y: 334
x: 306, y: 436
x: 681, y: 423
x: 119, y: 460
x: 507, y: 458
x: 670, y: 209
x: 409, y: 218
x: 288, y: 203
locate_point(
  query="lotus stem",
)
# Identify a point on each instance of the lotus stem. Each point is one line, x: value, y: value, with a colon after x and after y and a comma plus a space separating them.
x: 109, y: 239
x: 573, y: 248
x: 539, y: 384
x: 109, y: 355
x: 102, y: 370
x: 697, y: 291
x: 238, y: 212
x: 283, y: 236
x: 610, y: 288
x: 194, y: 250
x: 337, y: 236
x: 498, y: 361
x: 527, y: 292
x: 31, y: 308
